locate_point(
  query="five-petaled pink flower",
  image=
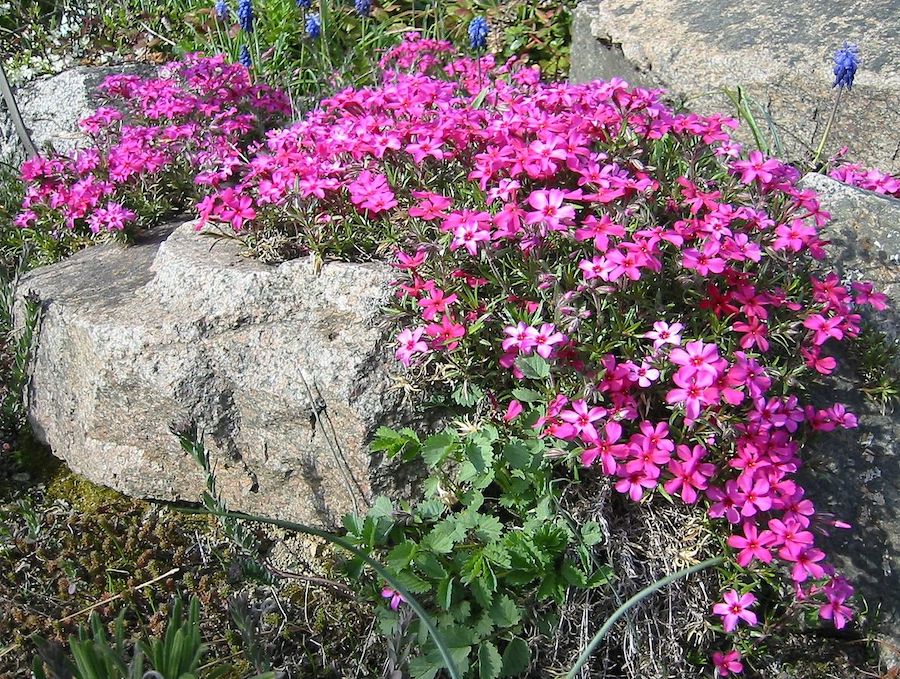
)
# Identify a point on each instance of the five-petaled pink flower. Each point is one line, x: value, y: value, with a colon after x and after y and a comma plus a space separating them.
x: 735, y: 608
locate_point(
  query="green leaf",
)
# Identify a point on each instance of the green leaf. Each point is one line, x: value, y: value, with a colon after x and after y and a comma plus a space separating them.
x: 430, y: 566
x: 517, y: 454
x: 533, y: 367
x: 479, y: 100
x: 527, y: 395
x: 412, y: 582
x: 480, y: 453
x: 468, y: 394
x: 516, y: 658
x: 504, y: 612
x: 484, y: 587
x: 591, y: 534
x: 602, y: 576
x: 382, y: 507
x: 489, y: 661
x: 445, y: 593
x: 573, y: 576
x: 442, y: 537
x: 437, y: 447
x: 401, y: 555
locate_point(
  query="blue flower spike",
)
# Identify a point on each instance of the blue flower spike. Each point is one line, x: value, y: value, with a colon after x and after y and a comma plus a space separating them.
x: 244, y: 57
x: 313, y: 26
x: 245, y: 15
x: 846, y: 61
x: 222, y: 11
x: 478, y: 32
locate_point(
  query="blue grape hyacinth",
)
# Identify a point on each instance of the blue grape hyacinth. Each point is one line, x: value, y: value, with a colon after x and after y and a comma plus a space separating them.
x: 363, y: 7
x: 222, y: 11
x: 304, y: 4
x: 245, y: 15
x: 846, y: 61
x: 313, y: 26
x: 478, y: 32
x: 244, y: 57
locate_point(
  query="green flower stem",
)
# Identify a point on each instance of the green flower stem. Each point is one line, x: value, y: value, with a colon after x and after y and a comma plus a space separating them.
x: 633, y: 601
x: 376, y: 566
x: 837, y: 101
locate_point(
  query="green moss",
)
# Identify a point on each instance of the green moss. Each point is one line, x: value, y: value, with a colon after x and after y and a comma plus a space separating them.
x: 83, y: 495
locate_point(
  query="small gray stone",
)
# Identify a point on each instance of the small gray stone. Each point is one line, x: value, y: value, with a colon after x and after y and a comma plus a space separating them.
x: 285, y: 369
x: 778, y: 52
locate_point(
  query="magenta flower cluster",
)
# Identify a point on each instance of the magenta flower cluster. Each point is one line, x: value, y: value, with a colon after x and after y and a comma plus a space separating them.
x: 156, y: 133
x: 652, y: 311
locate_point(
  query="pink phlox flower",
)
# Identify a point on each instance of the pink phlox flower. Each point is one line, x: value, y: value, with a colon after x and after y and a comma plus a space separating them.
x: 663, y: 334
x: 410, y: 343
x: 395, y: 598
x: 549, y: 209
x: 752, y: 545
x: 806, y: 564
x: 436, y: 303
x: 727, y: 664
x: 635, y: 478
x: 445, y: 333
x: 690, y: 474
x: 518, y: 338
x: 704, y: 261
x: 755, y: 334
x: 791, y: 537
x: 513, y: 410
x: 837, y: 590
x: 410, y: 262
x: 545, y: 338
x: 725, y: 502
x: 734, y: 608
x: 582, y: 418
x: 813, y: 358
x: 756, y: 168
x: 607, y: 449
x: 864, y: 293
x: 600, y: 230
x: 644, y: 374
x: 794, y: 236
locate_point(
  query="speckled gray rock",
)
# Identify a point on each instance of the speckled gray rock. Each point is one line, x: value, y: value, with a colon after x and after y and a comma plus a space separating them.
x: 855, y: 474
x: 52, y: 106
x: 779, y: 52
x: 286, y: 371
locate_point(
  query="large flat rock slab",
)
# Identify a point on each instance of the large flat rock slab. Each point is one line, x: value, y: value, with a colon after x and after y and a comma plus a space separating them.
x: 779, y: 52
x: 855, y: 474
x: 285, y: 369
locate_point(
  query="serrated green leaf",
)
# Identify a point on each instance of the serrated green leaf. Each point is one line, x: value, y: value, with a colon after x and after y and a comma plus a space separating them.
x: 591, y: 534
x: 504, y: 612
x: 445, y: 593
x: 573, y: 575
x: 488, y: 528
x: 381, y: 507
x: 533, y: 367
x: 527, y: 395
x: 490, y: 663
x: 480, y: 453
x: 437, y: 447
x: 412, y: 582
x: 484, y: 587
x: 468, y: 394
x: 401, y: 555
x: 517, y: 454
x: 430, y: 566
x: 442, y: 537
x: 516, y: 658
